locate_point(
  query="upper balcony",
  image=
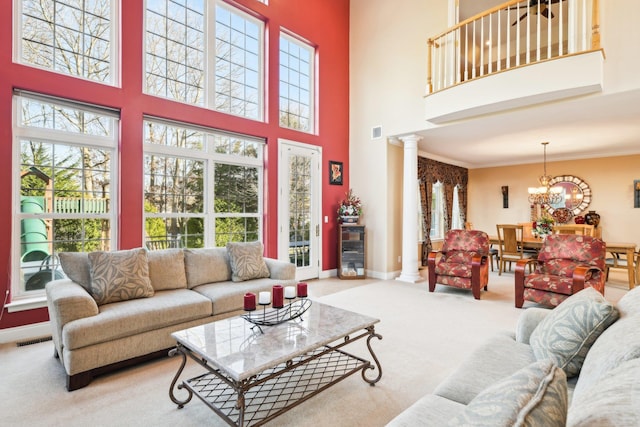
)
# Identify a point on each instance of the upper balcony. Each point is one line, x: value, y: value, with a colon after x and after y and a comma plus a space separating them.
x: 517, y: 54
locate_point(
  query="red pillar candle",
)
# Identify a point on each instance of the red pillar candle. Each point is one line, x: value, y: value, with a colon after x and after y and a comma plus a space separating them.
x: 278, y: 296
x: 249, y: 301
x: 302, y: 290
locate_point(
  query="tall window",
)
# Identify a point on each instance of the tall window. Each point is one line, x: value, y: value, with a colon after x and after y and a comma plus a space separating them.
x: 457, y: 221
x: 217, y: 66
x: 77, y: 38
x: 64, y: 175
x: 202, y: 187
x: 437, y: 211
x: 296, y: 84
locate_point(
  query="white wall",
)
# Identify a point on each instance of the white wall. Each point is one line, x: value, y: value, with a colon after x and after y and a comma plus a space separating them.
x: 620, y: 36
x: 388, y: 81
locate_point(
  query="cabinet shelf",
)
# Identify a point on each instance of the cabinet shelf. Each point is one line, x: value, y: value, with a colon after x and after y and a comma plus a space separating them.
x: 351, y: 251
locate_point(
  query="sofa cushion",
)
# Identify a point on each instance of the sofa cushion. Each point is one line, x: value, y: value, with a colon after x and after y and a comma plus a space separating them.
x: 630, y: 303
x: 76, y: 266
x: 228, y: 297
x: 429, y: 411
x: 567, y: 333
x: 492, y: 361
x: 612, y: 401
x: 246, y: 261
x: 120, y: 275
x: 206, y: 266
x: 533, y: 396
x: 166, y: 269
x: 618, y: 344
x: 128, y: 318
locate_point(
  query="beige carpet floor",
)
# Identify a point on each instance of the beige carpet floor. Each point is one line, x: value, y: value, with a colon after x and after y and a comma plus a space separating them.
x: 425, y: 336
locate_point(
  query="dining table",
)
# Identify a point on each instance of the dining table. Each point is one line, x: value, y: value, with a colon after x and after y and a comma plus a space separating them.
x: 614, y: 248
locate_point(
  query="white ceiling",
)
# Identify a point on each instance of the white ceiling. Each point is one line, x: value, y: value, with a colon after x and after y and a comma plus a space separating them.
x: 586, y: 127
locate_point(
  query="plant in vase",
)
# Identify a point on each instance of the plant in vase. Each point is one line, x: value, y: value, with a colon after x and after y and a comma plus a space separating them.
x: 350, y: 208
x: 543, y: 226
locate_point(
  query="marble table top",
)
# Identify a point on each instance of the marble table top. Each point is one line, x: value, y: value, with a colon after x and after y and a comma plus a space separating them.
x: 233, y: 347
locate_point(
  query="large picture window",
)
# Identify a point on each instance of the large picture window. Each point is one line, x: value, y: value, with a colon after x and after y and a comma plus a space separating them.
x: 65, y: 156
x: 216, y: 66
x: 202, y: 187
x: 68, y: 37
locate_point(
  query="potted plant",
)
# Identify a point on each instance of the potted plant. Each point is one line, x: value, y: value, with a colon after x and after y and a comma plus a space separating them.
x: 543, y: 226
x: 350, y: 208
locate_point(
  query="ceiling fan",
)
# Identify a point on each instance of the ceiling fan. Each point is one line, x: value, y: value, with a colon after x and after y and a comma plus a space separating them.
x: 533, y: 6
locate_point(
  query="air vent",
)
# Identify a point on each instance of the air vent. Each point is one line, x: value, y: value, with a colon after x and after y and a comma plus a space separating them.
x: 33, y: 341
x: 376, y: 132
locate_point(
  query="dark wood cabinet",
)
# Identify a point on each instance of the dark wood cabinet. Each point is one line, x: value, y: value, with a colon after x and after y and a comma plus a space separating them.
x: 351, y: 255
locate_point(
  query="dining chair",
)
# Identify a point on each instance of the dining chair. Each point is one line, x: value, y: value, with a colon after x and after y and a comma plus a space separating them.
x: 583, y: 229
x: 620, y: 261
x: 510, y: 245
x: 493, y: 252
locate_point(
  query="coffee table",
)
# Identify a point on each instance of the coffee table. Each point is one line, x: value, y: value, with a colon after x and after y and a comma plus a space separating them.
x: 253, y: 374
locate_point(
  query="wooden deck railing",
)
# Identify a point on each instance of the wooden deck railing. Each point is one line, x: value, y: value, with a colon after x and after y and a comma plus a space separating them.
x: 75, y: 205
x: 503, y: 38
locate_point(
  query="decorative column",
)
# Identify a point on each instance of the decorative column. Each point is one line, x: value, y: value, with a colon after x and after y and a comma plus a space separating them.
x: 410, y: 211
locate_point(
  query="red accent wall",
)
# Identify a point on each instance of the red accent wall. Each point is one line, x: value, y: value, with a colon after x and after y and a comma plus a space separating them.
x: 323, y: 23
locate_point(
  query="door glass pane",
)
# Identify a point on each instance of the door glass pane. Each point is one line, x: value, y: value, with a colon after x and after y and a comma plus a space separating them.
x: 299, y: 210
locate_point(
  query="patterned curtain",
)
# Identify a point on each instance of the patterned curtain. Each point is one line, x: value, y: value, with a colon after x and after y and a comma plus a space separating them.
x: 426, y: 188
x: 430, y: 172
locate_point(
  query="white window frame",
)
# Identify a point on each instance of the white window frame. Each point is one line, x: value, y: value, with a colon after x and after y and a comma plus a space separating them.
x: 293, y: 39
x: 437, y: 213
x: 114, y: 44
x: 456, y: 212
x: 21, y: 132
x: 210, y: 158
x: 209, y: 24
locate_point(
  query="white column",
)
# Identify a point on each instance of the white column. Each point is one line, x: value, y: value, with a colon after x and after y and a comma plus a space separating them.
x: 410, y: 211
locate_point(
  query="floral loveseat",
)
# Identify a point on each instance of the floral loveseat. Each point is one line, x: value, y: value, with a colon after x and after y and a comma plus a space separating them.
x: 119, y: 308
x: 577, y: 365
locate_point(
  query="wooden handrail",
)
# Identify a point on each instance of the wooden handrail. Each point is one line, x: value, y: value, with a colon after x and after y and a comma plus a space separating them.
x: 459, y: 54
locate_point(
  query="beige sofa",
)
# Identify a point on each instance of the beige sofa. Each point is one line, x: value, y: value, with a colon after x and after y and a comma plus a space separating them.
x: 102, y: 322
x: 576, y: 365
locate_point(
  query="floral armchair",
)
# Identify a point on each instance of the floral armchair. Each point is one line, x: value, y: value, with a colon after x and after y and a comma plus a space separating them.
x: 566, y: 264
x: 462, y: 262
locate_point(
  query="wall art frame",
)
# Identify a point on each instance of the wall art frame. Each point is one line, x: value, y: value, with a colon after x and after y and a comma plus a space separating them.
x: 335, y: 172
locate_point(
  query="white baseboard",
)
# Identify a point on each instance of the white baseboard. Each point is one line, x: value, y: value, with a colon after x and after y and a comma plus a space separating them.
x: 27, y: 332
x: 326, y: 274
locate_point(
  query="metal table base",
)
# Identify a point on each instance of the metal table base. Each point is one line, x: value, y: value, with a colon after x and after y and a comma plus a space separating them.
x: 260, y: 398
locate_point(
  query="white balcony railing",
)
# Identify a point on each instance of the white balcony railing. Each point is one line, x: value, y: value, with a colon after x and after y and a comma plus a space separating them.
x: 513, y: 34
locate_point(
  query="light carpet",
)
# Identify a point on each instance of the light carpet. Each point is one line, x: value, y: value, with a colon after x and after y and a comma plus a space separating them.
x: 425, y: 337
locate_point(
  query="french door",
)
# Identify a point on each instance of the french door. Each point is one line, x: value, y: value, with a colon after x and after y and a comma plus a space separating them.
x: 299, y: 207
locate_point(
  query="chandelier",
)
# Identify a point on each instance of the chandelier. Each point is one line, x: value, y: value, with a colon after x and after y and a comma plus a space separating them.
x: 545, y: 194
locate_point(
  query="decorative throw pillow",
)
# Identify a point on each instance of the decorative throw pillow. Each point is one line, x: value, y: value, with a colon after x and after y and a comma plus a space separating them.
x: 206, y: 266
x: 533, y: 396
x: 76, y: 266
x: 119, y: 276
x: 568, y: 332
x: 246, y: 261
x: 166, y: 269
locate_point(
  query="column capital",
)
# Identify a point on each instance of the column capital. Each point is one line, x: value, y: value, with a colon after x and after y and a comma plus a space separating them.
x: 410, y: 139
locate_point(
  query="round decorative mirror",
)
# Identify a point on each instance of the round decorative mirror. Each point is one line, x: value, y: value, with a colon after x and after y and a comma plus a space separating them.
x: 576, y: 194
